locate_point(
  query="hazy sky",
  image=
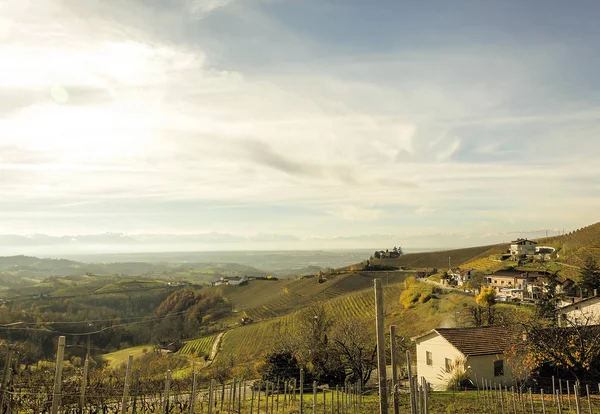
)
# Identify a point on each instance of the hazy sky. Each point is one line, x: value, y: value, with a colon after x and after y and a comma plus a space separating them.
x: 309, y: 118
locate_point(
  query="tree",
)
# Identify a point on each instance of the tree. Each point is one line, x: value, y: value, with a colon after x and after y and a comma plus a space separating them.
x: 573, y: 347
x: 280, y: 364
x: 355, y: 342
x: 590, y: 276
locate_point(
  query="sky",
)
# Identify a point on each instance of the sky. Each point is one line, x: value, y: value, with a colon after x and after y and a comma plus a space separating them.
x: 313, y: 119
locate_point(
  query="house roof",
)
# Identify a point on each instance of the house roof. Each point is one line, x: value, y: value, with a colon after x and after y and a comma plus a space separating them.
x: 522, y: 241
x: 507, y: 273
x: 487, y: 340
x: 587, y: 301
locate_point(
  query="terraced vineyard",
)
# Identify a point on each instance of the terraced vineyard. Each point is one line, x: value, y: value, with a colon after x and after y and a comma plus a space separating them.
x: 200, y: 346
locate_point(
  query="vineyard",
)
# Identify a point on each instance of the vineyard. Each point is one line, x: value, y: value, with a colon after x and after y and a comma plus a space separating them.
x: 201, y: 346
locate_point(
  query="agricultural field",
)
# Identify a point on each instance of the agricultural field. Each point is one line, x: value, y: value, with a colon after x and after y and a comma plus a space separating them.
x: 201, y: 346
x: 439, y: 310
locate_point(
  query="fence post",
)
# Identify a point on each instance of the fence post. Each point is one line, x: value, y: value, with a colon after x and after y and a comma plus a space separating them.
x: 86, y: 367
x: 394, y: 361
x: 531, y: 401
x: 514, y: 400
x: 167, y: 392
x: 137, y: 391
x: 577, y: 392
x: 559, y: 402
x: 60, y: 355
x: 587, y: 391
x: 569, y: 394
x: 301, y: 391
x: 126, y: 385
x: 210, y: 396
x: 543, y: 401
x: 252, y: 400
x: 314, y: 397
x: 193, y: 396
x: 554, y: 391
x: 240, y: 395
x: 5, y: 378
x: 381, y: 367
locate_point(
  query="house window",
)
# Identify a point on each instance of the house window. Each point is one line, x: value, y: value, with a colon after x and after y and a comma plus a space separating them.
x: 429, y: 358
x: 499, y: 368
x: 448, y: 365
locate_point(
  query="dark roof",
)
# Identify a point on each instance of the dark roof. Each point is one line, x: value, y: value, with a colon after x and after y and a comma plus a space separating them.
x: 522, y: 241
x: 487, y: 340
x: 507, y: 273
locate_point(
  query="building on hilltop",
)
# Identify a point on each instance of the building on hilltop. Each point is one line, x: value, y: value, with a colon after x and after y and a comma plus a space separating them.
x: 482, y: 349
x: 522, y: 248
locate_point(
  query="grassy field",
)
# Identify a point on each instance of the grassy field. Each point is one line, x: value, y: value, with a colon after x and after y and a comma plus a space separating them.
x: 118, y: 358
x: 201, y: 346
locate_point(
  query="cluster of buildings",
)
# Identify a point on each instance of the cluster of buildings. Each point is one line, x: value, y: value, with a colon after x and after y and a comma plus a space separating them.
x: 232, y: 281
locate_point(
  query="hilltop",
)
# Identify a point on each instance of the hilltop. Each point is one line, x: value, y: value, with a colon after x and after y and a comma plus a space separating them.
x: 575, y: 247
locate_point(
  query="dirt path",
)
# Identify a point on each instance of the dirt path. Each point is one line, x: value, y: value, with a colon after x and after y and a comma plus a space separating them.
x: 216, y: 345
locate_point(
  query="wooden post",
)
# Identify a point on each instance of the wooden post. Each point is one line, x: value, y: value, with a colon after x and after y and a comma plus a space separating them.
x: 5, y: 378
x: 231, y: 396
x: 137, y: 391
x: 252, y: 400
x: 394, y: 361
x: 554, y: 391
x: 501, y: 399
x: 514, y: 400
x: 531, y: 401
x: 561, y: 391
x: 301, y: 391
x: 337, y: 397
x: 314, y: 397
x: 577, y: 392
x: 558, y: 401
x: 569, y: 394
x: 425, y: 397
x: 324, y: 401
x: 167, y: 392
x: 126, y: 385
x: 543, y: 401
x: 587, y: 391
x: 60, y: 356
x: 222, y: 395
x: 86, y: 367
x: 381, y: 367
x: 193, y: 396
x: 258, y: 399
x: 240, y: 396
x: 210, y: 396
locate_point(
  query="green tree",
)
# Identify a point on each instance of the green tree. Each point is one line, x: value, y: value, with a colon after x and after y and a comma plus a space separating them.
x: 590, y: 276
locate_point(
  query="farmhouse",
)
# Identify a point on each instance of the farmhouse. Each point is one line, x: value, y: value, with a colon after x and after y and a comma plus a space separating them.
x: 522, y: 248
x: 481, y: 348
x: 461, y: 276
x: 584, y: 312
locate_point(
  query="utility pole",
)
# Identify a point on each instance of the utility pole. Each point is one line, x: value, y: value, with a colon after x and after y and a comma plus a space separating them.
x: 449, y: 263
x: 381, y: 367
x: 126, y: 385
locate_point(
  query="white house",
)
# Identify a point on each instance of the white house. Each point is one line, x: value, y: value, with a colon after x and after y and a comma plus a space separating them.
x: 584, y: 312
x: 461, y: 276
x: 522, y: 247
x: 483, y: 348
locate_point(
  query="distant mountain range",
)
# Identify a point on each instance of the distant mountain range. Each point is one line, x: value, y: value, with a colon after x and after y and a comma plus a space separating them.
x: 42, y: 244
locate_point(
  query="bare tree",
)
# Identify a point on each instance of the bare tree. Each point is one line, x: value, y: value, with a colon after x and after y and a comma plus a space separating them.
x: 356, y: 344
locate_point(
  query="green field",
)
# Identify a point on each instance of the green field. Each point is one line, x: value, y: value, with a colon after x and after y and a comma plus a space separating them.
x: 118, y: 358
x: 201, y: 346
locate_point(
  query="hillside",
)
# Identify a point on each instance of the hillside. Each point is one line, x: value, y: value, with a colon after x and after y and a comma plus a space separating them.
x: 575, y: 247
x: 439, y: 259
x: 438, y: 311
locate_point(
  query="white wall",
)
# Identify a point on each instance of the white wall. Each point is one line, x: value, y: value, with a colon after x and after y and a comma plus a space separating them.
x: 440, y: 350
x: 587, y: 314
x: 481, y: 366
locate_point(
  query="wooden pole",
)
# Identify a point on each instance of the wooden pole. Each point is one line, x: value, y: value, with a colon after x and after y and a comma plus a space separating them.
x: 569, y: 394
x: 222, y: 395
x: 531, y: 401
x: 301, y: 391
x: 126, y: 385
x: 381, y: 367
x: 211, y: 395
x: 240, y: 396
x: 60, y: 356
x: 167, y: 392
x: 554, y: 391
x: 577, y: 392
x: 543, y: 401
x: 558, y: 401
x: 137, y: 391
x: 587, y: 391
x: 314, y: 397
x: 514, y: 400
x: 561, y: 391
x: 394, y: 361
x: 252, y: 400
x: 86, y: 367
x: 193, y: 396
x: 258, y: 399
